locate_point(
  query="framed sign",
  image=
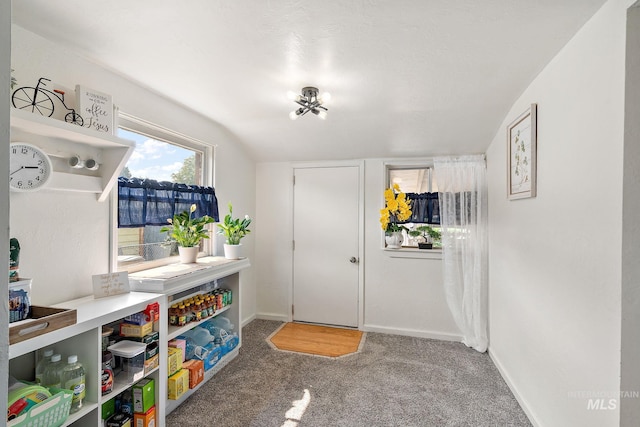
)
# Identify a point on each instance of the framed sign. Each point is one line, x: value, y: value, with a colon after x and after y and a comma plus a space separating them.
x: 96, y: 108
x: 521, y: 155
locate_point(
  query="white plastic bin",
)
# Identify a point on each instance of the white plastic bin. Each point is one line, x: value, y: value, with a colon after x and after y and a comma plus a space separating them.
x: 131, y: 358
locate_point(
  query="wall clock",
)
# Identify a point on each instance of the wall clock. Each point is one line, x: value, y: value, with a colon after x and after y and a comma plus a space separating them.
x: 29, y: 167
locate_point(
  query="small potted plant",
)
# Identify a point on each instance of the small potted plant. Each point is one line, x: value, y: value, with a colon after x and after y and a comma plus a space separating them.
x: 427, y: 234
x: 234, y: 230
x: 188, y: 232
x: 396, y: 209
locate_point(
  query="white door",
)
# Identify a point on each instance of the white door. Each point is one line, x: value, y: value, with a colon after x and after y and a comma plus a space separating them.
x: 325, y: 257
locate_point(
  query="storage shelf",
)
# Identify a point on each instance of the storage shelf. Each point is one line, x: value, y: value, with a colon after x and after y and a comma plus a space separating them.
x: 173, y: 404
x: 120, y: 385
x: 175, y: 331
x: 60, y: 140
x: 86, y: 408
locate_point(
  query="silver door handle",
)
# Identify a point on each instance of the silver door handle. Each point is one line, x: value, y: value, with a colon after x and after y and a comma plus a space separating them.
x: 353, y: 260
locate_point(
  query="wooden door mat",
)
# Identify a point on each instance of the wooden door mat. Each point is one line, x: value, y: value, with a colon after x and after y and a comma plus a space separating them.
x: 316, y: 340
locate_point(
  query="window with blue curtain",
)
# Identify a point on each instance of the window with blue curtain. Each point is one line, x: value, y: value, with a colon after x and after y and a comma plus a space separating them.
x: 143, y: 202
x: 425, y: 208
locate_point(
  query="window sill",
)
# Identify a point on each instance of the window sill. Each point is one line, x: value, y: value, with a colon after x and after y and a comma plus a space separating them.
x: 414, y: 253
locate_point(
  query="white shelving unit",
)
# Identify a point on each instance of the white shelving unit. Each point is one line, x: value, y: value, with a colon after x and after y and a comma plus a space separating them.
x: 180, y: 281
x: 84, y: 338
x: 61, y: 140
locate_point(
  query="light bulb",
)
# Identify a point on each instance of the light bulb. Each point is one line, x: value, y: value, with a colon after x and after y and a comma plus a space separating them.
x: 293, y: 115
x: 291, y: 95
x: 322, y: 114
x: 326, y: 98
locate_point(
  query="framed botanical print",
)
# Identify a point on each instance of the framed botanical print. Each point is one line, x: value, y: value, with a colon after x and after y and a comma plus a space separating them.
x: 521, y: 155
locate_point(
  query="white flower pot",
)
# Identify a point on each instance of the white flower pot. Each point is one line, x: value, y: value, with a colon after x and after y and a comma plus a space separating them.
x: 232, y: 251
x: 188, y: 255
x: 393, y: 239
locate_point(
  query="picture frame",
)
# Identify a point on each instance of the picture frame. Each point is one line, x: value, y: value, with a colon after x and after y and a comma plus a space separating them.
x: 522, y: 155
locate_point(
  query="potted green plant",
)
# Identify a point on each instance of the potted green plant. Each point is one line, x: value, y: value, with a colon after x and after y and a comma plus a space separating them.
x: 188, y: 231
x: 233, y: 230
x: 428, y: 234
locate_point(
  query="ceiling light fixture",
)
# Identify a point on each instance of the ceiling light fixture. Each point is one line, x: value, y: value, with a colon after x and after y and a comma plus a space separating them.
x: 309, y: 101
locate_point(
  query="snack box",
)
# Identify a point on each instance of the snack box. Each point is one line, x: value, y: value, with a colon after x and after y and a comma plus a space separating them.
x: 151, y: 364
x: 148, y: 419
x: 147, y: 339
x: 132, y: 330
x: 196, y: 371
x: 152, y: 350
x: 119, y: 420
x: 174, y: 360
x: 143, y: 395
x: 181, y: 344
x: 178, y: 384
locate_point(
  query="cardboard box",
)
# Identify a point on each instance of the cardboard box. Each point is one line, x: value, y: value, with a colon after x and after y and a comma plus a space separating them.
x: 151, y: 364
x: 148, y: 419
x: 196, y: 371
x: 143, y: 395
x: 131, y: 330
x: 108, y: 408
x: 152, y: 350
x: 179, y: 343
x: 147, y: 339
x: 174, y: 360
x: 119, y: 420
x: 178, y: 384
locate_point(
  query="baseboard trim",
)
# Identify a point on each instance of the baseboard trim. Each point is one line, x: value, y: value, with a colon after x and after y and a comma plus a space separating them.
x: 514, y: 390
x: 248, y: 320
x: 412, y: 333
x: 272, y: 316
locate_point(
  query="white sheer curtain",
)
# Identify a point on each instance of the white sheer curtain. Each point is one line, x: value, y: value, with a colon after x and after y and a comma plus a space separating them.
x: 462, y: 187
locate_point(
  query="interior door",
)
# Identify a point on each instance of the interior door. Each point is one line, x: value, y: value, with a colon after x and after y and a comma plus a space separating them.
x: 326, y: 241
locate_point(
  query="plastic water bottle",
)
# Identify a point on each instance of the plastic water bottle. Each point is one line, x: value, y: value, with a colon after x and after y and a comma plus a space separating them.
x: 73, y: 379
x: 51, y: 374
x: 195, y: 351
x: 200, y: 336
x: 42, y: 364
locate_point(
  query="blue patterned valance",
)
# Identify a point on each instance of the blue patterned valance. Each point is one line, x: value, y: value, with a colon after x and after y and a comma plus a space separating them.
x: 144, y: 202
x: 425, y: 208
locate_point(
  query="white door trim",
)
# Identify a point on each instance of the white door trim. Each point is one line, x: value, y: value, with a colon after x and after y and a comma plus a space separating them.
x: 332, y: 164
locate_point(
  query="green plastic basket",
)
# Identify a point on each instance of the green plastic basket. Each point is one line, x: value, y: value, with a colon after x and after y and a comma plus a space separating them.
x: 52, y: 412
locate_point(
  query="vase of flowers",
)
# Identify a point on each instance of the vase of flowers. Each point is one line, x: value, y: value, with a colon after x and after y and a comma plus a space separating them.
x: 188, y: 232
x: 234, y: 230
x: 397, y: 209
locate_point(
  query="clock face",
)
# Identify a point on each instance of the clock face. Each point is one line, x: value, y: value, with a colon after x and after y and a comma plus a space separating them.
x: 30, y: 168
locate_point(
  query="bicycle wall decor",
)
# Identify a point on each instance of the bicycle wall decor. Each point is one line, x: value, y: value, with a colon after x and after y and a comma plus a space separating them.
x: 40, y: 100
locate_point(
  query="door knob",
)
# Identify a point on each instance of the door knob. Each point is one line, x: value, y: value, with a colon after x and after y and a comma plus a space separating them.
x: 353, y: 260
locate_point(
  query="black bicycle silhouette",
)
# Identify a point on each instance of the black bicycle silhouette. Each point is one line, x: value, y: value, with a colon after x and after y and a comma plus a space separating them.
x: 38, y: 100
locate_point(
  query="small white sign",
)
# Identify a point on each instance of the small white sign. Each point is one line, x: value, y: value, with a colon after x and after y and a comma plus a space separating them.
x: 108, y: 284
x: 96, y: 109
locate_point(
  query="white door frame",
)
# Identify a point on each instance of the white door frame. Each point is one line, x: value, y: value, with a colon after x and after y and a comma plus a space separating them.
x: 333, y: 164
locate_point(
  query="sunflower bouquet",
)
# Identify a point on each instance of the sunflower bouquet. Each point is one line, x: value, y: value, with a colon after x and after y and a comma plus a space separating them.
x: 397, y: 209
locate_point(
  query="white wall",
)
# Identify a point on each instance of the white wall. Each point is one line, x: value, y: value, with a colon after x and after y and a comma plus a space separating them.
x: 5, y: 70
x: 555, y: 259
x: 630, y: 354
x: 64, y: 235
x: 402, y: 296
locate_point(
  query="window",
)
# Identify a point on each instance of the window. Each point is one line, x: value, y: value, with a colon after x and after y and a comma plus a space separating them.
x: 417, y: 181
x: 160, y: 155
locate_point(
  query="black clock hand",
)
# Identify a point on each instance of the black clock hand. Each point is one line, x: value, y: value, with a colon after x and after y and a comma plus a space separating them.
x: 19, y: 169
x: 31, y: 167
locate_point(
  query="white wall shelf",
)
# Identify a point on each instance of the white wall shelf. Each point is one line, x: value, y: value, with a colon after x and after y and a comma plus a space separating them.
x: 84, y: 338
x: 61, y: 140
x: 179, y: 281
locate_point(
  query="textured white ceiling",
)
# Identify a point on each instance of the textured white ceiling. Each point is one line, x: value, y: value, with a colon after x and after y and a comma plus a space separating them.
x: 408, y: 77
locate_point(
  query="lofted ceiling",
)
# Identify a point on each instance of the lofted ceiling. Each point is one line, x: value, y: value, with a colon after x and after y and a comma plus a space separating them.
x: 407, y: 78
